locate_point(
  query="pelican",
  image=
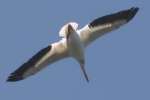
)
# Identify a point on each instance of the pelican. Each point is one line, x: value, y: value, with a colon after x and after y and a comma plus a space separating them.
x: 72, y: 44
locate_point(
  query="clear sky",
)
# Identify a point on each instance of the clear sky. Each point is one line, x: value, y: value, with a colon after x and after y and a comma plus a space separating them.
x: 118, y: 64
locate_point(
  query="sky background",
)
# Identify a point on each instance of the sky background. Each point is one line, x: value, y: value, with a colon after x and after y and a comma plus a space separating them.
x: 118, y: 63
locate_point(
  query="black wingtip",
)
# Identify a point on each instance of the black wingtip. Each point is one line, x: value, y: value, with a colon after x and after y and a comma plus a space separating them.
x: 132, y: 12
x: 14, y: 78
x: 126, y: 15
x: 18, y: 74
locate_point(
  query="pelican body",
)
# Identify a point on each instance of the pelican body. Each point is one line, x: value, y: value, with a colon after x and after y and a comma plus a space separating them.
x: 76, y: 47
x: 72, y: 44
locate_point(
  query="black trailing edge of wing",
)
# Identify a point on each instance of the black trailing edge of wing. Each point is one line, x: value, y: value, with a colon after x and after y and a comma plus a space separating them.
x: 18, y: 74
x: 122, y: 15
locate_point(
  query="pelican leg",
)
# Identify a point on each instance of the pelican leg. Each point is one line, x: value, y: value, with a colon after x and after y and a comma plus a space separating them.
x: 84, y: 71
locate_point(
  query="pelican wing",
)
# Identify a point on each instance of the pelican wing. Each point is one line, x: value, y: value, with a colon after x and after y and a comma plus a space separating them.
x: 105, y: 24
x: 46, y: 56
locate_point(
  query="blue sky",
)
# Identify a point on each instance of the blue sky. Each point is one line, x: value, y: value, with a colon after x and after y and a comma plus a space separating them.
x: 118, y: 64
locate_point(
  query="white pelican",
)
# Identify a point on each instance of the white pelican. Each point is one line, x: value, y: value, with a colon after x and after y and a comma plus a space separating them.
x: 72, y: 44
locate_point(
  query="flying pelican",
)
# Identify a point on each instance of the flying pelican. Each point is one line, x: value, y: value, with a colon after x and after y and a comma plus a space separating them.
x: 72, y: 44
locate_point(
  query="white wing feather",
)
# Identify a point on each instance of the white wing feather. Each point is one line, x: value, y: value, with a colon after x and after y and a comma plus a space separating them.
x: 88, y: 35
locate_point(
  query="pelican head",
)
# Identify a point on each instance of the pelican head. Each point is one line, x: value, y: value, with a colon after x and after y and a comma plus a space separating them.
x: 68, y: 28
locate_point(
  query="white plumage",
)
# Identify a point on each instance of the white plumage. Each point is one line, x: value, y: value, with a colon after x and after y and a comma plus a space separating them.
x: 73, y: 43
x: 63, y: 31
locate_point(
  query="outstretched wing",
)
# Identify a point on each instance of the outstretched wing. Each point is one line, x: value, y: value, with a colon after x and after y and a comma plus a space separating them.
x: 48, y: 55
x: 105, y: 24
